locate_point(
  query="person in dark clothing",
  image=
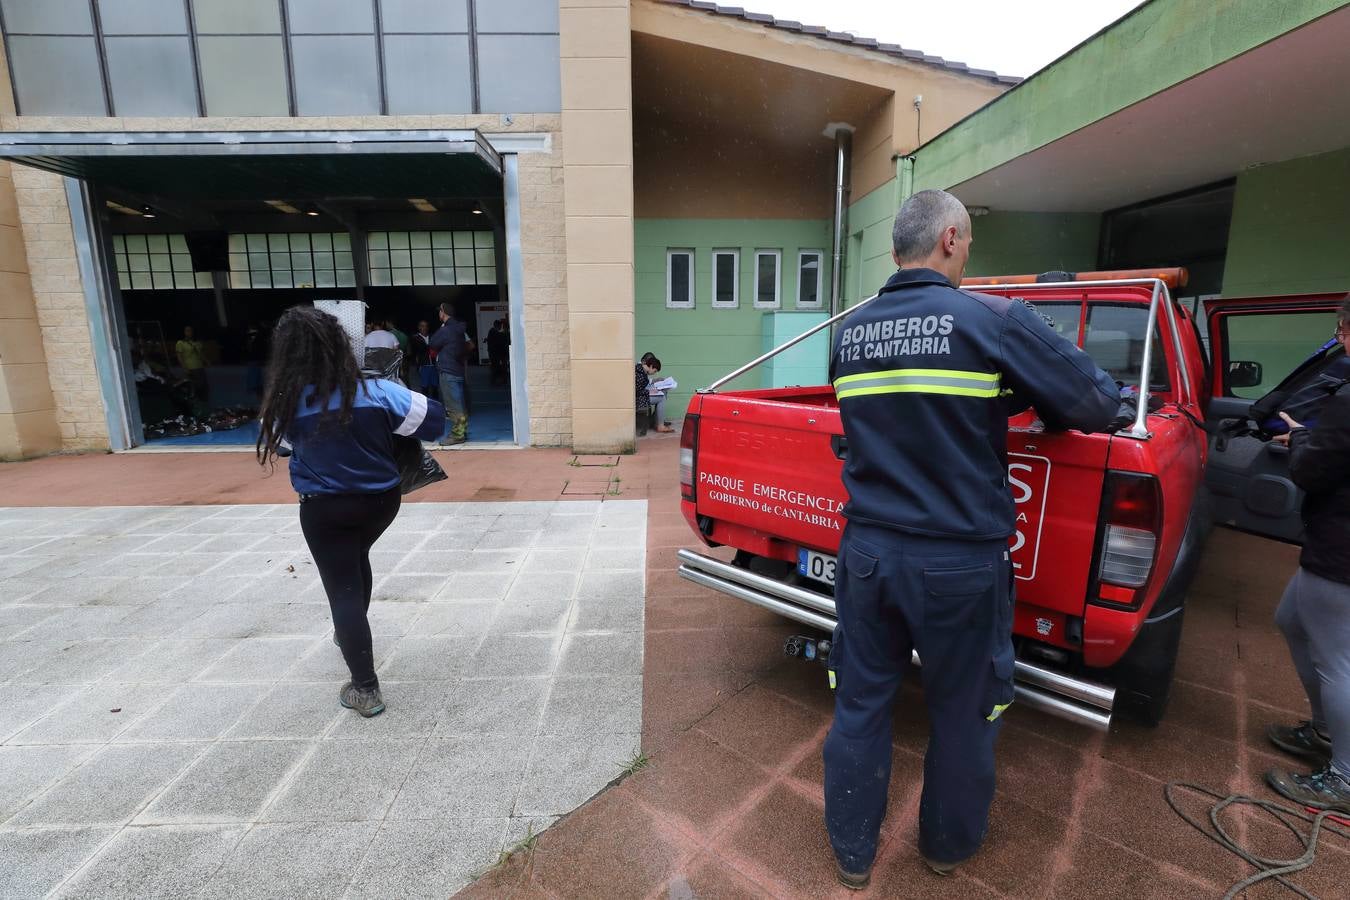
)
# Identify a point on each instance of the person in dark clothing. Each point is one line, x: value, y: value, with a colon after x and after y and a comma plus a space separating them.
x: 452, y: 345
x: 340, y: 428
x: 1314, y: 613
x: 922, y: 376
x: 422, y: 359
x: 499, y: 351
x: 642, y: 379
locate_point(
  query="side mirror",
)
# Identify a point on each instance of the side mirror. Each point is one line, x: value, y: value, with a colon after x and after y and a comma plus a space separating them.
x: 1244, y: 374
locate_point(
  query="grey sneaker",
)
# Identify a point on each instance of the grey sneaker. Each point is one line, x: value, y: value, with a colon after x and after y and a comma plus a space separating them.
x: 1301, y: 740
x: 366, y: 701
x: 854, y: 881
x: 1327, y: 789
x: 940, y: 868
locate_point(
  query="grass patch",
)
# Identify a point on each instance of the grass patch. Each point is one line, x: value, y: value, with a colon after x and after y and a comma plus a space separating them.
x: 639, y: 762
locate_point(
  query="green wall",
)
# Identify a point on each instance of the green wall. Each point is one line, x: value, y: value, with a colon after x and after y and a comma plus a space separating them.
x: 1291, y: 228
x: 697, y: 346
x: 867, y: 258
x: 1013, y: 243
x: 1160, y: 44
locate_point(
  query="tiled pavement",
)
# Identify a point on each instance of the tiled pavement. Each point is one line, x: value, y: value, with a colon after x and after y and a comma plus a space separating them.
x: 731, y: 803
x: 168, y: 715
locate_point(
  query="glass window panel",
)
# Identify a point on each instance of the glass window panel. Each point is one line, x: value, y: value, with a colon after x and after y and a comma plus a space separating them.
x: 162, y: 281
x: 321, y: 241
x: 485, y: 258
x: 766, y: 281
x: 182, y: 263
x: 281, y: 262
x: 119, y: 243
x: 124, y: 282
x: 331, y: 16
x: 342, y: 241
x: 680, y: 294
x: 257, y: 242
x: 238, y: 262
x: 441, y: 239
x: 237, y: 16
x: 57, y: 76
x: 239, y: 280
x: 378, y: 240
x: 400, y: 259
x: 325, y: 278
x: 421, y: 258
x: 281, y: 279
x: 346, y: 278
x: 808, y: 280
x: 151, y: 76
x: 302, y: 261
x: 184, y: 281
x: 463, y: 259
x: 303, y: 277
x: 136, y: 243
x: 258, y: 261
x: 445, y: 275
x: 47, y: 17
x: 463, y: 239
x: 237, y: 243
x: 138, y: 262
x: 300, y: 242
x: 417, y: 239
x: 161, y: 262
x: 402, y: 277
x: 343, y: 261
x: 442, y: 257
x: 243, y: 76
x: 140, y: 281
x: 423, y: 276
x: 278, y: 242
x: 487, y: 276
x: 323, y: 260
x: 398, y: 240
x: 484, y: 239
x: 518, y: 16
x: 380, y: 277
x: 177, y: 243
x: 379, y: 259
x: 519, y: 73
x: 428, y: 73
x: 335, y: 76
x: 142, y: 16
x: 724, y: 279
x: 157, y: 243
x: 424, y: 16
x: 204, y: 280
x: 262, y: 279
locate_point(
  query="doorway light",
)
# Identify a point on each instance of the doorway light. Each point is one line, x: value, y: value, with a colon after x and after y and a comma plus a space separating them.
x: 422, y: 205
x: 311, y: 212
x: 477, y: 210
x: 147, y: 212
x: 282, y: 206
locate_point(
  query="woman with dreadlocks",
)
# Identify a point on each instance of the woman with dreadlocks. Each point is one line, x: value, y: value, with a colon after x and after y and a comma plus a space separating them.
x: 341, y: 429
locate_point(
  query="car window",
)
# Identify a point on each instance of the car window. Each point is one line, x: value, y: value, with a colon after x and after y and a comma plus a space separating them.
x: 1114, y: 338
x: 1277, y: 341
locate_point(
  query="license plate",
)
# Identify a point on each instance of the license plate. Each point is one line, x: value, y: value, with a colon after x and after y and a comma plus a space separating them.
x: 819, y: 566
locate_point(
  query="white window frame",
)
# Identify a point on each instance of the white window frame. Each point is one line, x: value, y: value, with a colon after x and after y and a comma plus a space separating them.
x: 735, y: 255
x: 777, y: 302
x: 671, y: 302
x: 820, y: 278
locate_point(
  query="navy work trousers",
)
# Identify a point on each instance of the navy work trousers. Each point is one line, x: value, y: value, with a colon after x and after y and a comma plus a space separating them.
x: 952, y: 602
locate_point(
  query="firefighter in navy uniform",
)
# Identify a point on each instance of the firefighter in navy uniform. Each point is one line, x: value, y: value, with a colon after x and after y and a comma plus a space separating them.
x: 926, y: 377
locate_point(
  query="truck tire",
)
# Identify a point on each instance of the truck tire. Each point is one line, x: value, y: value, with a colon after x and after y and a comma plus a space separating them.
x: 1144, y: 677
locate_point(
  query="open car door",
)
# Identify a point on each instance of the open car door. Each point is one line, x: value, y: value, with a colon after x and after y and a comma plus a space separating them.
x: 1254, y: 343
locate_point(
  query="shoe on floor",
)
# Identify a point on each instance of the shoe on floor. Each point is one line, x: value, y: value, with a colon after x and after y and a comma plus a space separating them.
x: 366, y: 701
x: 940, y: 868
x: 1301, y: 740
x: 854, y: 881
x: 1326, y: 789
x: 450, y: 440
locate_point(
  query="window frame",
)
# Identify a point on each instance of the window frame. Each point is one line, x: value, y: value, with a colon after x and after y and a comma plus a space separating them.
x: 820, y: 279
x: 735, y: 301
x: 671, y: 302
x: 777, y: 302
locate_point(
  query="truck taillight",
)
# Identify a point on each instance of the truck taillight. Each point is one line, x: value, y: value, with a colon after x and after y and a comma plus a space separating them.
x: 688, y: 455
x: 1131, y: 521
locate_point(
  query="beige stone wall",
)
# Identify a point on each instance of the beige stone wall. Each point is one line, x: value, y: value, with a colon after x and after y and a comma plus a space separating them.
x: 598, y: 173
x: 58, y: 289
x: 28, y: 412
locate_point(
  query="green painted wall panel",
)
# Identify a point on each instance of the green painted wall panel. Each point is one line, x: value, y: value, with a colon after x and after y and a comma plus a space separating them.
x: 867, y: 262
x: 1157, y: 46
x: 1011, y: 243
x: 697, y: 346
x: 1291, y: 228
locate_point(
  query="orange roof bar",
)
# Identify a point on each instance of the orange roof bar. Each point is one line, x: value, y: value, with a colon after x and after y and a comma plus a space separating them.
x: 1175, y: 277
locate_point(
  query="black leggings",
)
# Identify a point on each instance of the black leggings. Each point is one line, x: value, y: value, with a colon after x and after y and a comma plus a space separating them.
x: 340, y: 529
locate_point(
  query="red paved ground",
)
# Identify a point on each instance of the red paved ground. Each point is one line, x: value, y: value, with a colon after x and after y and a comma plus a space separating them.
x: 731, y: 805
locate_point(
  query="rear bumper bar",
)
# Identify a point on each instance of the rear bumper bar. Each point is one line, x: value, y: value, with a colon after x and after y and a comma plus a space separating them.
x: 1078, y: 700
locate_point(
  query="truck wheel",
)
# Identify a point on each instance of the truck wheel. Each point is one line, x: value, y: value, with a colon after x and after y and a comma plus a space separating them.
x: 1144, y: 677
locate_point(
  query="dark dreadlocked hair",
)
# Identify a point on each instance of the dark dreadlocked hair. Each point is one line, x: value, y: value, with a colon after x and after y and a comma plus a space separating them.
x: 309, y: 350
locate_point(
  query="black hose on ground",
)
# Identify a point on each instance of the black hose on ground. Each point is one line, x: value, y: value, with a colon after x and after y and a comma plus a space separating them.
x: 1286, y: 816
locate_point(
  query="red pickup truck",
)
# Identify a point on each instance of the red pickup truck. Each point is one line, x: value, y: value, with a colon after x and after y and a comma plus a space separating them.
x: 1110, y: 527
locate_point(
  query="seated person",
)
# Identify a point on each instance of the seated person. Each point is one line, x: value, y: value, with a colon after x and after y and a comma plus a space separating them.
x: 656, y: 392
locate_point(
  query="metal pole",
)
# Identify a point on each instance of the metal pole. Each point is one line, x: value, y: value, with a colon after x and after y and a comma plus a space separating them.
x: 843, y: 149
x: 1140, y: 429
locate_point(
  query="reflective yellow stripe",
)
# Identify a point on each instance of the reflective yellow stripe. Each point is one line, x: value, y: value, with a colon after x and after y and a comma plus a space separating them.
x: 998, y: 711
x: 833, y: 682
x: 990, y: 377
x: 918, y: 389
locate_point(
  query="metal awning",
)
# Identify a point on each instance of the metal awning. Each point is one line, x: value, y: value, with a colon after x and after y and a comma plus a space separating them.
x: 205, y: 165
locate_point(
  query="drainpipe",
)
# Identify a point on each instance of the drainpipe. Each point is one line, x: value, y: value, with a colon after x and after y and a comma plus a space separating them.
x: 843, y: 152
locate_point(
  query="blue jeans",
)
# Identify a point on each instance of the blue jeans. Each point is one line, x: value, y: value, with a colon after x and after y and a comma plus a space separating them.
x: 452, y: 396
x: 952, y: 602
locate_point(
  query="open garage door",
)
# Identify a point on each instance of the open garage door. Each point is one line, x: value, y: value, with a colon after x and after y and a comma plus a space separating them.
x: 218, y: 231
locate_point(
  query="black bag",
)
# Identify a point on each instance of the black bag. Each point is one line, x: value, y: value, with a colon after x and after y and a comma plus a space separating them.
x: 416, y: 468
x: 1304, y: 392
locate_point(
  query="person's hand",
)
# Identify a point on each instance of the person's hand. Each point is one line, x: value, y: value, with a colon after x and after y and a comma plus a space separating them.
x: 1288, y: 420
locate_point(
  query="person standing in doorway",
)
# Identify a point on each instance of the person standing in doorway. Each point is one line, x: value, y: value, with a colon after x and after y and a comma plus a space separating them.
x: 1314, y: 614
x: 192, y: 358
x: 421, y: 356
x: 924, y: 562
x: 451, y: 343
x: 341, y: 430
x: 499, y: 351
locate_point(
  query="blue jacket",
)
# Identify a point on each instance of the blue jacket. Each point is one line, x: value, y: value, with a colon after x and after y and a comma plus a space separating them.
x: 358, y: 458
x: 926, y: 377
x: 451, y: 343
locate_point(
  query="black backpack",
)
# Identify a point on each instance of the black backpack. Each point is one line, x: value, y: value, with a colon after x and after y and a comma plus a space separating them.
x: 1303, y: 393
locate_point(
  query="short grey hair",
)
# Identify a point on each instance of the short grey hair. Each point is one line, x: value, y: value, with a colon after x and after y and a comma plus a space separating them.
x: 921, y: 221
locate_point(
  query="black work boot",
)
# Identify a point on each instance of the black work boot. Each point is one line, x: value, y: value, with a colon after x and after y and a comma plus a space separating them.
x: 366, y: 701
x: 1327, y: 789
x: 1301, y: 740
x: 854, y: 881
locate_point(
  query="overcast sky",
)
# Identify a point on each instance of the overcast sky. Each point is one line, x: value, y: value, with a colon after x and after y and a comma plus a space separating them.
x: 1012, y: 37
